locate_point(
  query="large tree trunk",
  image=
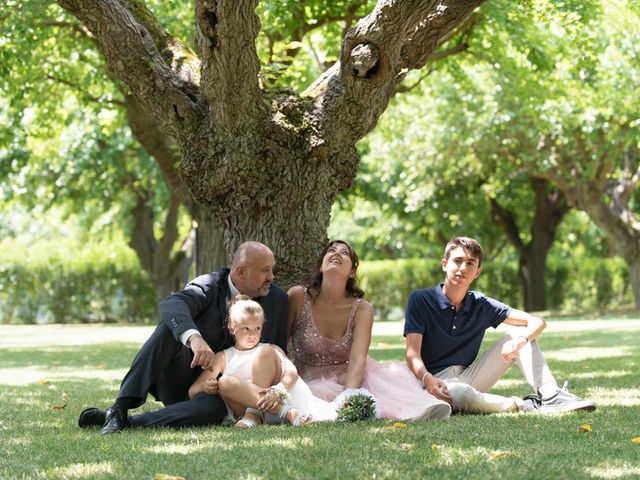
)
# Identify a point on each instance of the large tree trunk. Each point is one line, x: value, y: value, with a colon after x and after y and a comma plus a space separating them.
x: 267, y: 165
x: 550, y: 208
x: 210, y: 253
x: 532, y: 270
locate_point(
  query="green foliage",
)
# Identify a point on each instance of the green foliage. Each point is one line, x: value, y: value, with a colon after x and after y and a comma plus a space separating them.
x: 573, y: 284
x: 587, y: 283
x: 64, y: 135
x: 61, y: 282
x: 300, y: 40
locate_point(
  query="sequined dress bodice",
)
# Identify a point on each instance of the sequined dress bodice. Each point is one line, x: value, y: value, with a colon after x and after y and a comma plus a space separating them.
x: 315, y: 355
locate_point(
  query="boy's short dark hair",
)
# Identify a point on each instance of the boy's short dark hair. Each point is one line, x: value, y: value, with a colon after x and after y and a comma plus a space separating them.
x: 470, y: 245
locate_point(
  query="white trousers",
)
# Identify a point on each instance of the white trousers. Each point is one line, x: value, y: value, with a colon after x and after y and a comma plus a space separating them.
x: 469, y: 386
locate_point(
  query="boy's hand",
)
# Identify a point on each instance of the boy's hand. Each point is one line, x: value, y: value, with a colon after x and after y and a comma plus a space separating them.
x: 511, y: 349
x: 437, y: 388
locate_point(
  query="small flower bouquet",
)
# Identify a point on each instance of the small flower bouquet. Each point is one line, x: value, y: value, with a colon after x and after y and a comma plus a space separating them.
x: 280, y: 392
x: 355, y: 404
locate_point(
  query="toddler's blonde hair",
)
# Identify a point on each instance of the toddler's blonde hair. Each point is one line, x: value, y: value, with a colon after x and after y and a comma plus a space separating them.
x: 242, y: 305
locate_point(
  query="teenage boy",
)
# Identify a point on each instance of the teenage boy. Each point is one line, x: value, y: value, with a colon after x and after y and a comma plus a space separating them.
x: 444, y: 327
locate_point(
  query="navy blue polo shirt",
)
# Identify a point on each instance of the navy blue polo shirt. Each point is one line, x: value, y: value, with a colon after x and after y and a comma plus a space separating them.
x: 450, y: 337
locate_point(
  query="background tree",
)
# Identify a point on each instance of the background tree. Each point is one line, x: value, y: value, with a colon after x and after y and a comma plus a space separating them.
x: 568, y: 112
x: 50, y: 66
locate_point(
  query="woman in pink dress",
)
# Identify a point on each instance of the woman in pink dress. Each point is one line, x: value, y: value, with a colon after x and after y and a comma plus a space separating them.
x: 330, y: 327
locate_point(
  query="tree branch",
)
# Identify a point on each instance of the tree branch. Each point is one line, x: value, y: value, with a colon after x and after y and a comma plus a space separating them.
x: 299, y: 33
x: 131, y: 51
x: 551, y: 207
x: 142, y: 239
x: 401, y: 88
x: 396, y: 35
x: 621, y: 190
x: 506, y: 219
x: 161, y: 147
x: 462, y: 45
x: 83, y: 94
x: 226, y: 34
x: 76, y: 27
x: 631, y: 164
x: 169, y: 232
x: 435, y: 56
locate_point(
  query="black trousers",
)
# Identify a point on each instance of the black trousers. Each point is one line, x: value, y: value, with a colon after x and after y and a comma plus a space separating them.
x: 162, y: 368
x: 201, y: 410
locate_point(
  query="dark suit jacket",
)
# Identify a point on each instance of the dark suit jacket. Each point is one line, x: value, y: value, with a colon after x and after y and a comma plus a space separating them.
x: 202, y: 305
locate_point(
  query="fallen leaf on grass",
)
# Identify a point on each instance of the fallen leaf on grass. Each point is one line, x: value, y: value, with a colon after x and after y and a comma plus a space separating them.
x: 59, y: 407
x: 164, y: 476
x: 499, y: 454
x: 584, y: 428
x: 436, y: 447
x: 43, y: 381
x: 636, y: 440
x: 397, y: 425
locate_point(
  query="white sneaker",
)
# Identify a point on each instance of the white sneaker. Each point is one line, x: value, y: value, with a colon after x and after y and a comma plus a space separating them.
x: 563, y: 401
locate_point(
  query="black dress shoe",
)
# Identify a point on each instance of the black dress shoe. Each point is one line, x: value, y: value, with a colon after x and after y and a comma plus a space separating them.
x: 92, y: 417
x: 116, y: 421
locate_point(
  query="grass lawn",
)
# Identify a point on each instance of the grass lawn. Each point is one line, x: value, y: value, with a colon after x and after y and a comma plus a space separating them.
x: 45, y: 384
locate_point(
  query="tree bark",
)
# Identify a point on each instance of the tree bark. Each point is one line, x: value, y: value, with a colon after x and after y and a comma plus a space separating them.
x: 266, y: 165
x: 210, y: 252
x: 155, y: 256
x: 550, y: 209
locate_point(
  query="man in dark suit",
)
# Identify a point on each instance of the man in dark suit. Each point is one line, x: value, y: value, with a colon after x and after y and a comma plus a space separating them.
x: 193, y: 327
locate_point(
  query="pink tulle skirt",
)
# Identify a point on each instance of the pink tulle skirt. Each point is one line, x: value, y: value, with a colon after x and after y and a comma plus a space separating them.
x: 399, y: 395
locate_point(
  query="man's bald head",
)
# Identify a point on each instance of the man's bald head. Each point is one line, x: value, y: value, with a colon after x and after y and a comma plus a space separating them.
x: 247, y: 253
x: 252, y: 269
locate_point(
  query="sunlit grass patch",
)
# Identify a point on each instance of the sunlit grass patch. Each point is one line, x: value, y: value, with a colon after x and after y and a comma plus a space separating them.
x: 619, y: 396
x: 591, y: 375
x: 614, y: 471
x: 34, y: 375
x: 82, y: 470
x: 447, y: 455
x: 578, y: 354
x: 179, y: 449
